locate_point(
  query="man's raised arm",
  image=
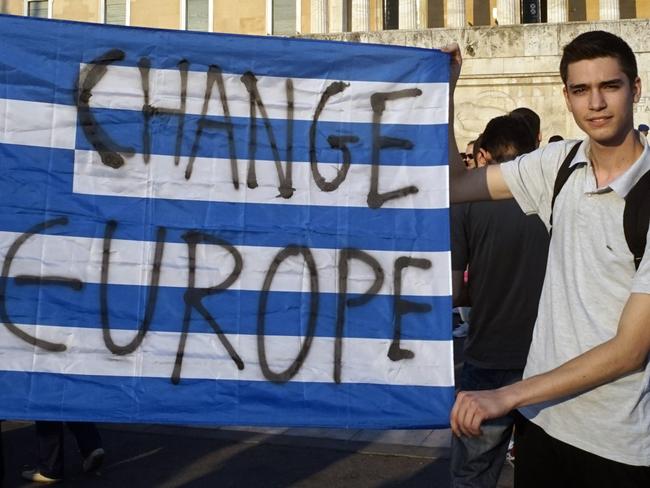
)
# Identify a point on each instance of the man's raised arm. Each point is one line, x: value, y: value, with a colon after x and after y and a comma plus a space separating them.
x: 484, y: 183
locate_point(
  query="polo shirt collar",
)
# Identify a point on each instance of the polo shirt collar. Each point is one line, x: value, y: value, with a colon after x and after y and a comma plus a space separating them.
x: 625, y: 182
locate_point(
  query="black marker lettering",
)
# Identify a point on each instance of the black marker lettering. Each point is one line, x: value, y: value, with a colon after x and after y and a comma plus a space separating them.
x: 402, y: 307
x: 292, y: 370
x: 215, y: 76
x: 285, y: 177
x: 97, y: 137
x: 152, y: 292
x: 342, y: 297
x: 193, y: 297
x: 336, y: 142
x: 183, y: 68
x: 149, y: 111
x: 28, y: 279
x: 379, y: 142
x: 144, y: 66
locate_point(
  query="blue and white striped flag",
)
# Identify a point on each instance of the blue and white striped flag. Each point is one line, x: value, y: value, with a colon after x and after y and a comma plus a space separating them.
x: 202, y: 228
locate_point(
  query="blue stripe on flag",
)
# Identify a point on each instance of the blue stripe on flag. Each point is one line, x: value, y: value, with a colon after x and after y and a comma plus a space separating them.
x: 126, y: 127
x: 51, y: 78
x: 112, y: 399
x: 418, y: 231
x: 235, y: 311
x: 34, y: 194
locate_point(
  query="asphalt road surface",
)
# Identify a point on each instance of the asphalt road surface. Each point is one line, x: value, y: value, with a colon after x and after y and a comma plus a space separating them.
x: 141, y: 456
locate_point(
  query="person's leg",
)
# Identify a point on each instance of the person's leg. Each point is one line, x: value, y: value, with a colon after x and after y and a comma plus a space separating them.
x: 544, y: 461
x: 477, y: 461
x: 89, y: 443
x: 49, y: 437
x: 538, y: 464
x: 86, y: 435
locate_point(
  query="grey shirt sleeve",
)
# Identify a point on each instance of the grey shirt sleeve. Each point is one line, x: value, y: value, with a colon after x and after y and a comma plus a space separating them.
x: 531, y: 177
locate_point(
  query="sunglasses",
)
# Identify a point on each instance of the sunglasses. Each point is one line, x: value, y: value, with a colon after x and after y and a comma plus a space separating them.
x: 466, y: 157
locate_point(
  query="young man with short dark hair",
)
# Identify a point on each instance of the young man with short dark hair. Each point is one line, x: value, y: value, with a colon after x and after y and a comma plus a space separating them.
x: 504, y: 138
x: 506, y: 252
x: 532, y: 121
x: 585, y: 397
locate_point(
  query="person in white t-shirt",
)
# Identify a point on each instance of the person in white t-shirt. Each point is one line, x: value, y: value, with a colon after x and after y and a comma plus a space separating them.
x: 585, y: 396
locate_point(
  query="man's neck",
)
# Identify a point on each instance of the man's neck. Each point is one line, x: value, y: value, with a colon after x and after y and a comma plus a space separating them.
x: 609, y: 162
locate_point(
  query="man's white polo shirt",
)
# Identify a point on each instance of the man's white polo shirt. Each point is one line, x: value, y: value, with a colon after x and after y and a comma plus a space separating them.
x: 589, y: 277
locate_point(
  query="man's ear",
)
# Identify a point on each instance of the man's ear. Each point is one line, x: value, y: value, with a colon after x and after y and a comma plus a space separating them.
x: 636, y: 89
x: 483, y: 158
x: 566, y: 99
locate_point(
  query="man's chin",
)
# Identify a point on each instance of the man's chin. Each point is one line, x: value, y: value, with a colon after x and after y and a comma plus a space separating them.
x: 605, y: 137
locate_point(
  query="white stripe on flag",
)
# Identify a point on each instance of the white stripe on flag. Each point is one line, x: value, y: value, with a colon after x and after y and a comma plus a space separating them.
x: 212, y: 181
x: 363, y: 360
x: 121, y: 88
x: 131, y: 263
x: 37, y: 124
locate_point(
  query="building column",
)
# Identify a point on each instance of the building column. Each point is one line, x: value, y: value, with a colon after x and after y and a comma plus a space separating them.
x: 456, y: 14
x: 318, y: 16
x: 360, y: 21
x: 609, y: 10
x: 507, y: 12
x: 337, y: 14
x: 557, y: 11
x: 408, y: 14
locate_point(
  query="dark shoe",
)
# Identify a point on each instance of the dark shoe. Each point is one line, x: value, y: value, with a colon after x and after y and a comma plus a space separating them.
x: 36, y: 475
x: 94, y: 460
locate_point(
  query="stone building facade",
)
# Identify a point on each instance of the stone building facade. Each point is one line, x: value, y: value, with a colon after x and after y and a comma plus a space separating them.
x: 512, y: 66
x: 290, y: 17
x: 511, y: 47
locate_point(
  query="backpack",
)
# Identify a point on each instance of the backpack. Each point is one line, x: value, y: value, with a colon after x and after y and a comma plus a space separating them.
x: 637, y: 207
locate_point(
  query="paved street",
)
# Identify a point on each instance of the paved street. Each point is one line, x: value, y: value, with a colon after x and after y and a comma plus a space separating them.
x: 170, y: 457
x: 164, y: 456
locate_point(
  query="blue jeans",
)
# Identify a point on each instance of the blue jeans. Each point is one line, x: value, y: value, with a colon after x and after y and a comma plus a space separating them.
x: 476, y: 462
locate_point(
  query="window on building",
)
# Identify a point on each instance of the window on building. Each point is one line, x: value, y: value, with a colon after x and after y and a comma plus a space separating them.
x: 197, y: 15
x: 577, y: 10
x: 347, y: 15
x: 435, y: 13
x: 533, y: 11
x: 115, y: 12
x: 391, y: 14
x: 481, y: 10
x: 37, y: 8
x: 284, y: 17
x: 628, y: 9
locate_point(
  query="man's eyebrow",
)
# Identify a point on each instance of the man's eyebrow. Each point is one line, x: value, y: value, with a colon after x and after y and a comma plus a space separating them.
x: 613, y: 81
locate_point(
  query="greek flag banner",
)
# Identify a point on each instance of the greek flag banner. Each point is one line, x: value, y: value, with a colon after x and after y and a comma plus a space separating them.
x: 222, y: 229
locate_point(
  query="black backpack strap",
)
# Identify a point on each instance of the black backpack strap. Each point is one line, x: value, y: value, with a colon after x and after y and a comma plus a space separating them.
x: 562, y: 176
x: 636, y: 217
